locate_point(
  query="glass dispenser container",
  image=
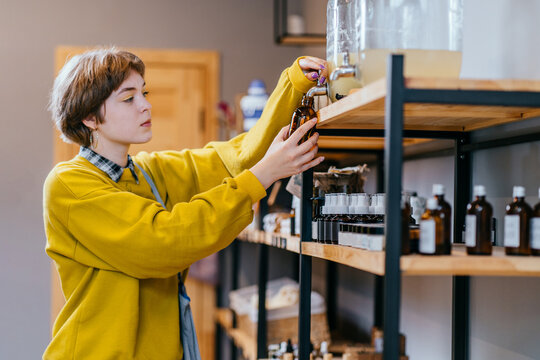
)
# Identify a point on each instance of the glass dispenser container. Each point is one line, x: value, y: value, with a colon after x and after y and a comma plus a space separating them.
x: 428, y: 33
x: 341, y: 47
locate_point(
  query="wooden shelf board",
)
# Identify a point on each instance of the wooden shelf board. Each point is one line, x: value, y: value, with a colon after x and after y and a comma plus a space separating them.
x: 365, y: 143
x: 281, y: 241
x: 246, y: 343
x: 303, y: 40
x: 364, y: 108
x: 459, y: 263
x: 370, y: 261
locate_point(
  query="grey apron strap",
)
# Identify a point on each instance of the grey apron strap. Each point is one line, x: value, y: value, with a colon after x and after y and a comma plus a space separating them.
x: 187, y: 326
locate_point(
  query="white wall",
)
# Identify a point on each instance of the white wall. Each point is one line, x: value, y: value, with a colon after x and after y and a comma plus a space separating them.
x: 499, y: 42
x: 29, y: 31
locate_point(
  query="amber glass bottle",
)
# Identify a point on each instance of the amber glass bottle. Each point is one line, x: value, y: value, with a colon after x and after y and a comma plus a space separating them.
x: 446, y: 214
x: 516, y: 224
x: 405, y: 216
x: 302, y: 114
x: 432, y: 230
x: 535, y: 229
x: 478, y: 224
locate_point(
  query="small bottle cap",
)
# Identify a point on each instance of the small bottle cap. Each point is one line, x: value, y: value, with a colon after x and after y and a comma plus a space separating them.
x: 341, y: 206
x: 519, y: 191
x: 324, y: 348
x: 432, y: 204
x: 479, y: 190
x: 363, y: 199
x: 438, y: 189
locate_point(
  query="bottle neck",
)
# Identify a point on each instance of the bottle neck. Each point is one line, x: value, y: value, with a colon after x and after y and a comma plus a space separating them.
x: 307, y: 101
x: 480, y: 198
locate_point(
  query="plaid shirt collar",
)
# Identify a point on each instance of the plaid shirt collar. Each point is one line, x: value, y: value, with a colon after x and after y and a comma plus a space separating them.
x: 112, y: 169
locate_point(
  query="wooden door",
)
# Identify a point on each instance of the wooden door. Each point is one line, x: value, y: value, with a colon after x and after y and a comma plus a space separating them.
x: 183, y: 90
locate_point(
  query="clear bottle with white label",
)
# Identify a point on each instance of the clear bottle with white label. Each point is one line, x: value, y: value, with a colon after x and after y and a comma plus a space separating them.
x: 432, y: 230
x: 535, y: 229
x: 478, y: 224
x: 516, y: 224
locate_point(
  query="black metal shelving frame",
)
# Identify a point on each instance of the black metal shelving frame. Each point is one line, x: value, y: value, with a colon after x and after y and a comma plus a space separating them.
x: 389, y: 179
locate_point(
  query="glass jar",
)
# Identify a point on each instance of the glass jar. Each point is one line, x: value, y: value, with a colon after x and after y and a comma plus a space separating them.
x: 341, y: 47
x: 428, y: 33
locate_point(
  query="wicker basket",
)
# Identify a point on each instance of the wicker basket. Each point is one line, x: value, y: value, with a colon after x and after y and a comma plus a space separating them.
x: 284, y: 329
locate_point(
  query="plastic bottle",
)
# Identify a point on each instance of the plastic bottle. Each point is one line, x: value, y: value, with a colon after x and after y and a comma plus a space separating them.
x: 253, y: 103
x: 446, y: 214
x: 535, y: 229
x: 516, y: 224
x: 432, y: 230
x: 478, y: 224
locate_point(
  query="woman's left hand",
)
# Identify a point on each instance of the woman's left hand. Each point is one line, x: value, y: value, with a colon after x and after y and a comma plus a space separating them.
x: 311, y: 66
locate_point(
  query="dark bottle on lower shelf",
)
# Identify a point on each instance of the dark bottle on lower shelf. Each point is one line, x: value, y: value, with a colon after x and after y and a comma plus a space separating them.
x: 478, y: 224
x: 341, y: 215
x: 535, y: 229
x: 516, y: 224
x: 432, y: 230
x: 446, y: 214
x: 405, y: 216
x: 317, y: 204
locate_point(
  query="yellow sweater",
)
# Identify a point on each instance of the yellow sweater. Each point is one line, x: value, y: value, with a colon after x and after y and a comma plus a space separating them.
x: 118, y: 252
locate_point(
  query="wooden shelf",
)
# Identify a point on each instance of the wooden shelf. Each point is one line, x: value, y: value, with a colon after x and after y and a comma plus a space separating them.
x: 459, y: 263
x: 246, y: 343
x: 281, y: 241
x: 364, y: 108
x: 364, y: 143
x: 303, y: 40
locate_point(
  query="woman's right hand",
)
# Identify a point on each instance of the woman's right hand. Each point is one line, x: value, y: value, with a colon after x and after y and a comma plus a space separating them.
x: 285, y: 157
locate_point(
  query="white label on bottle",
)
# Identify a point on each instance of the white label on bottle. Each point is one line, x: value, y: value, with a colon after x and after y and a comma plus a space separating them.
x: 535, y: 233
x: 314, y: 235
x: 427, y: 236
x: 470, y: 230
x: 511, y: 231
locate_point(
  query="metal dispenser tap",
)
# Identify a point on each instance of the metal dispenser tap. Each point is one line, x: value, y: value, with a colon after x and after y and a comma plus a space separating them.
x: 345, y: 70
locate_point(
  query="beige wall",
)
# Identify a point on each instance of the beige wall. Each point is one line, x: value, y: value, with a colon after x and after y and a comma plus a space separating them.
x: 29, y: 31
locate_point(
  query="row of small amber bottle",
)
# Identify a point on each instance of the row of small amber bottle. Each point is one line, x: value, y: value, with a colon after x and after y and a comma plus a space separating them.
x: 521, y: 225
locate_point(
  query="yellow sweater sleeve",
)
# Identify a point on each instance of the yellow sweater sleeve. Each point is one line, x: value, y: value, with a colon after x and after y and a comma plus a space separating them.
x: 210, y: 165
x: 119, y: 230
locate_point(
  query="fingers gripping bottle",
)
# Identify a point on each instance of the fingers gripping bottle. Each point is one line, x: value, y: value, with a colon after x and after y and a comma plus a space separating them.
x: 301, y: 115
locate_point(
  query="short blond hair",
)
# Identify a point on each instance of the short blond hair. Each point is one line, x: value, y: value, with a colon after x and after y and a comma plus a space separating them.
x: 82, y: 86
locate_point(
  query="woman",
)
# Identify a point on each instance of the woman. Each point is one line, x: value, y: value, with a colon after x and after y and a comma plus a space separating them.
x: 117, y: 249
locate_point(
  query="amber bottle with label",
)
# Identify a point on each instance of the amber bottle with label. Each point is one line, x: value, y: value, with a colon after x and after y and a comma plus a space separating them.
x: 478, y: 224
x: 535, y: 229
x: 432, y: 230
x: 446, y: 214
x: 301, y: 115
x: 516, y: 224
